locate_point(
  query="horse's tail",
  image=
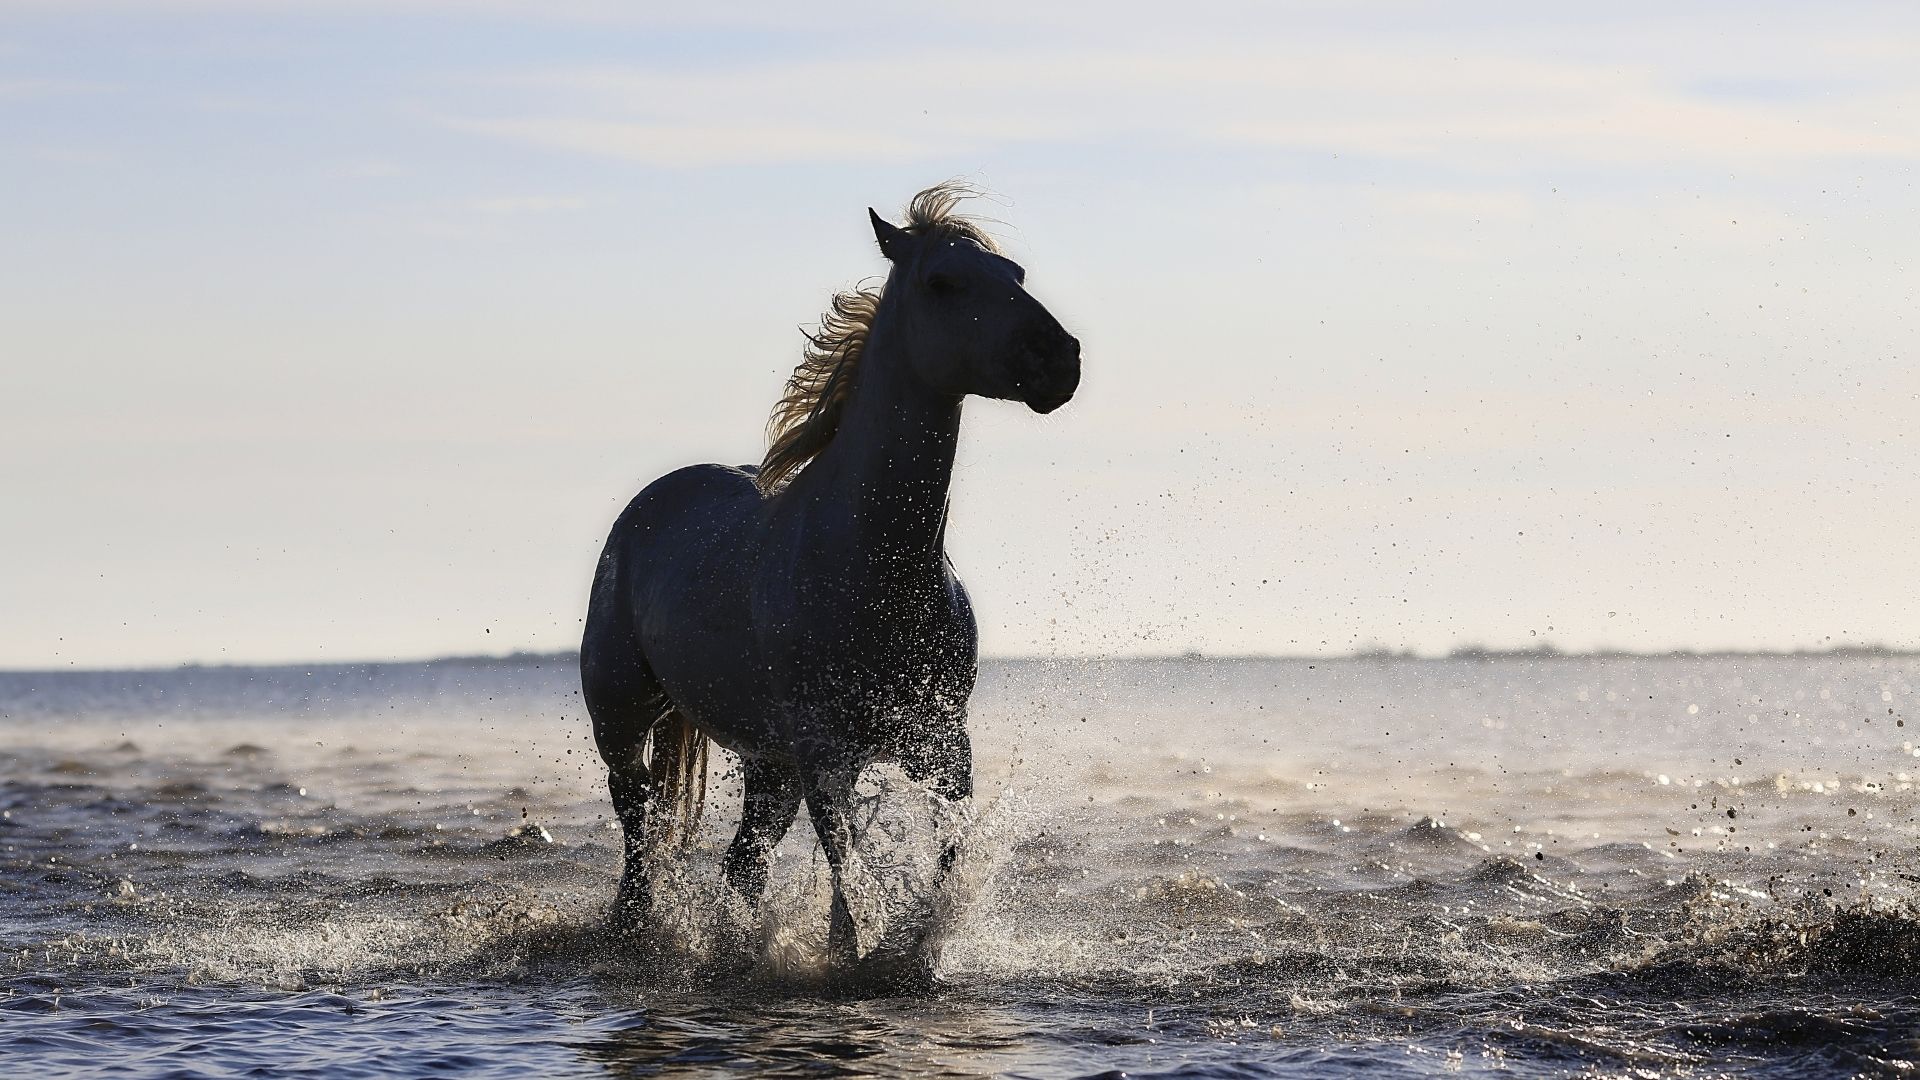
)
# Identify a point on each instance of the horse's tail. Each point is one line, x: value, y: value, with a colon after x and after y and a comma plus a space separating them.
x: 679, y: 767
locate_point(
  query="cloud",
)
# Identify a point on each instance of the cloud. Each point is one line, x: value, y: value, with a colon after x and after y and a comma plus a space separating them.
x: 74, y: 155
x: 1419, y: 104
x: 743, y: 14
x: 35, y: 89
x: 692, y: 145
x: 527, y: 204
x: 369, y: 169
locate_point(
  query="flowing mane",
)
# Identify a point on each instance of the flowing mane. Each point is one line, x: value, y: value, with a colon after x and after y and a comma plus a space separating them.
x: 808, y: 413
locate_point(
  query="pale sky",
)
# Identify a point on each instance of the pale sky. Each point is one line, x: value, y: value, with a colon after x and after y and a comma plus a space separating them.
x: 343, y: 330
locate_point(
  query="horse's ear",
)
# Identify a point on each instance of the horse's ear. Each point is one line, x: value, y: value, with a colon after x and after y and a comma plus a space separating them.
x: 893, y: 241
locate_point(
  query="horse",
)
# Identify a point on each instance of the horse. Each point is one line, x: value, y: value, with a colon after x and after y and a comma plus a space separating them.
x: 803, y: 613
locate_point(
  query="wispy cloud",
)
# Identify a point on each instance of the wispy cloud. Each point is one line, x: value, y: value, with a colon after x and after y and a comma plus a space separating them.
x: 693, y: 144
x: 74, y: 155
x: 527, y: 204
x: 369, y: 169
x: 33, y: 89
x: 1422, y: 105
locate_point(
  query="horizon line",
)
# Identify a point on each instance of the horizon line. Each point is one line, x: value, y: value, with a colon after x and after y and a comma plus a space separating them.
x: 1370, y: 654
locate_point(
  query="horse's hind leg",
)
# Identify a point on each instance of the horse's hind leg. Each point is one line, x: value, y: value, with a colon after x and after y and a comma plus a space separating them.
x: 768, y: 806
x: 625, y: 701
x: 829, y: 802
x: 631, y: 790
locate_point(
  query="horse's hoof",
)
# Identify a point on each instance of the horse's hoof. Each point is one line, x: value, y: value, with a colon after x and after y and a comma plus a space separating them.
x: 842, y: 960
x: 630, y: 917
x: 888, y: 972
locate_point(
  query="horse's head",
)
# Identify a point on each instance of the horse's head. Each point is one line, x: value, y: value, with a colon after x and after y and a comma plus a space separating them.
x: 970, y: 325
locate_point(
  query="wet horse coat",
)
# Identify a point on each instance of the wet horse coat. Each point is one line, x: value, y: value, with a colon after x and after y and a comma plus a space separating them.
x: 805, y: 615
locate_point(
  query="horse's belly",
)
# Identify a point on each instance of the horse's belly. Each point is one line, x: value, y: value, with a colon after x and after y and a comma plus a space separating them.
x: 739, y: 722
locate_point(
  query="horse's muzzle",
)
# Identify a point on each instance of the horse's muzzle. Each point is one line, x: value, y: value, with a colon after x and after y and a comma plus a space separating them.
x: 1055, y: 375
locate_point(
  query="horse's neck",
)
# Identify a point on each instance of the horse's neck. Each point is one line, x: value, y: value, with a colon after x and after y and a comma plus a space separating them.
x: 891, y: 462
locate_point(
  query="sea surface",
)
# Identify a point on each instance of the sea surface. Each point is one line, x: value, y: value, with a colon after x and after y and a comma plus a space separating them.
x: 1687, y: 867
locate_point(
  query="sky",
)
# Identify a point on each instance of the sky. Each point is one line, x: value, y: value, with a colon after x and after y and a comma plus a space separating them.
x: 341, y: 331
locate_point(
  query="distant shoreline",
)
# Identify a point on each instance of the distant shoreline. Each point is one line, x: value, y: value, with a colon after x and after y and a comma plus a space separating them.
x: 1464, y: 653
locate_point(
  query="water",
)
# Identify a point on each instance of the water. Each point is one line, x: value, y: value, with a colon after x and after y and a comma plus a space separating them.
x: 1688, y: 867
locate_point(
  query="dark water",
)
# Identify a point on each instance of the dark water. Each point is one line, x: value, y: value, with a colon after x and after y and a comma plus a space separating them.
x: 1549, y: 867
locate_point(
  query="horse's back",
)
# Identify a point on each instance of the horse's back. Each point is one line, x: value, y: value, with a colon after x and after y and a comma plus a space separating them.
x: 687, y: 497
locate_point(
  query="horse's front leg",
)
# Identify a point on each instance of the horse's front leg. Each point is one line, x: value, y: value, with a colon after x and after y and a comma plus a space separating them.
x: 943, y: 760
x: 829, y: 802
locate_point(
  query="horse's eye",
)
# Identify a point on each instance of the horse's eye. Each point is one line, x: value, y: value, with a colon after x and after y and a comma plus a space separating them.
x: 942, y: 285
